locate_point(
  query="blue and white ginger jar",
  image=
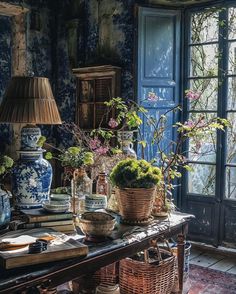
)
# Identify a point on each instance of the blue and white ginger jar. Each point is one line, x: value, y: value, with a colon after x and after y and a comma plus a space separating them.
x: 5, y: 209
x: 32, y: 177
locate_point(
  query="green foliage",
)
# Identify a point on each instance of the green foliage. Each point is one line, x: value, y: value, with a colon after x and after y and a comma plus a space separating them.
x: 133, y: 173
x: 73, y: 156
x: 41, y: 141
x: 126, y: 112
x: 6, y: 163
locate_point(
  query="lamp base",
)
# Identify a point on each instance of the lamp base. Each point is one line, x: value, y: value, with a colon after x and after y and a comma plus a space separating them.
x: 32, y: 177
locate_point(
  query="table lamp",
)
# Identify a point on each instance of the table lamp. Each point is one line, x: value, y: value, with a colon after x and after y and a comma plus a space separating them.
x: 29, y: 100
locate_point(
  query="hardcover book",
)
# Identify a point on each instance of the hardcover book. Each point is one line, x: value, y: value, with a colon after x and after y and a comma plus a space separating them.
x: 60, y: 247
x: 41, y: 215
x: 45, y: 224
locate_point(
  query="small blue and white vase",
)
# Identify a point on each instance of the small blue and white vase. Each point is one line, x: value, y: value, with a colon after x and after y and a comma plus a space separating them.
x: 29, y: 138
x: 5, y: 209
x: 31, y: 180
x: 125, y: 138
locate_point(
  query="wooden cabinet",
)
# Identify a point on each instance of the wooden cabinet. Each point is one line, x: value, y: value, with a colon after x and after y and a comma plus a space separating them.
x: 94, y: 85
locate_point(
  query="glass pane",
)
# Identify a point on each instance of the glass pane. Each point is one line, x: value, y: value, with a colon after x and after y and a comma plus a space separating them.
x: 86, y: 116
x: 231, y: 103
x: 103, y: 91
x: 159, y: 47
x: 231, y: 139
x: 202, y: 179
x: 206, y: 94
x: 232, y: 58
x: 204, y: 26
x: 101, y: 120
x: 203, y: 146
x: 86, y: 91
x: 230, y: 188
x: 204, y: 61
x: 232, y: 23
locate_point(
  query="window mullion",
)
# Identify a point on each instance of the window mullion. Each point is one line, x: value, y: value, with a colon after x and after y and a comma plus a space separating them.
x: 222, y: 102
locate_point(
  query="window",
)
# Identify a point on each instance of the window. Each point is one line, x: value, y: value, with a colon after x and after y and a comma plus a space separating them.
x: 211, y: 52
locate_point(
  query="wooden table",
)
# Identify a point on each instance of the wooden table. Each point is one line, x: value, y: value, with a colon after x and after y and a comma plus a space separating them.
x: 126, y: 241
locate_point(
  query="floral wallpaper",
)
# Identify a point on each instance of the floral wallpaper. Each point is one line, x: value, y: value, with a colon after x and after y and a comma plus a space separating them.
x: 5, y: 65
x: 105, y: 35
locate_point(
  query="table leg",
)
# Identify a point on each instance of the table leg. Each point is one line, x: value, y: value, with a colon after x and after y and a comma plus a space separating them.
x: 181, y: 249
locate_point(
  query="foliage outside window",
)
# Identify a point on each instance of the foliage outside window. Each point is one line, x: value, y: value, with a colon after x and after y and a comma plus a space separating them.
x: 212, y: 75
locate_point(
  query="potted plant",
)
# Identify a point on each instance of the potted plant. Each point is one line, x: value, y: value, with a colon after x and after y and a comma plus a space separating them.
x: 6, y: 163
x: 136, y: 182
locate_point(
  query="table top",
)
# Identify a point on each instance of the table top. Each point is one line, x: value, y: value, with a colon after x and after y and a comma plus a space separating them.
x: 125, y: 241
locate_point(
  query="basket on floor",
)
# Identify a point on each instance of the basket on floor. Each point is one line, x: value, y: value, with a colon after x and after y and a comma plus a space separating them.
x: 149, y: 277
x: 107, y: 275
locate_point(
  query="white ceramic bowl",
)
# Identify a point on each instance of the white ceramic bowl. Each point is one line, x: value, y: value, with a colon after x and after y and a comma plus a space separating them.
x: 56, y: 206
x: 60, y: 197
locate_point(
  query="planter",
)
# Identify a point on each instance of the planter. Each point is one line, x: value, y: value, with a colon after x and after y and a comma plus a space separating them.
x: 135, y: 204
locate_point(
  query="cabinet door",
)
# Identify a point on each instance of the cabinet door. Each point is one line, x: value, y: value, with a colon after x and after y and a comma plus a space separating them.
x: 95, y: 85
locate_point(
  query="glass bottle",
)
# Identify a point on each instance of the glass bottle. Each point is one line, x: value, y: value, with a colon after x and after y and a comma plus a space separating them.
x: 102, y: 184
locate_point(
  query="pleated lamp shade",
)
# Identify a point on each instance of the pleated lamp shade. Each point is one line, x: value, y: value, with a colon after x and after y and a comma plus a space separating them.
x: 29, y: 100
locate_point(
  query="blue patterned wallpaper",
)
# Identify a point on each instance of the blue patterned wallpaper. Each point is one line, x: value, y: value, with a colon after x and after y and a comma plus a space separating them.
x: 48, y: 48
x: 5, y: 66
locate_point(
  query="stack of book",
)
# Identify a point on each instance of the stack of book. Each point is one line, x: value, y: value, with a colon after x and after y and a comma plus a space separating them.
x: 38, y: 218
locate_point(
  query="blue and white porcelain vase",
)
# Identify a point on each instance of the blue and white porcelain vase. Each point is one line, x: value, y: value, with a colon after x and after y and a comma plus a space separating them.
x: 32, y: 177
x: 5, y: 209
x: 125, y: 139
x: 32, y: 174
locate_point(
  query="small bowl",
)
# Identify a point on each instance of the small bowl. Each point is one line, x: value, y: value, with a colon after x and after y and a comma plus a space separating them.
x: 60, y: 197
x: 95, y: 201
x: 56, y: 206
x: 97, y: 224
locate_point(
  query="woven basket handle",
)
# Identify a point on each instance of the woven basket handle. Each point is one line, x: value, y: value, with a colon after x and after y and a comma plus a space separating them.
x: 154, y: 244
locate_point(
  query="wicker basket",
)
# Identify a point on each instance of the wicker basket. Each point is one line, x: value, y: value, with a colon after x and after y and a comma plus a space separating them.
x: 107, y: 275
x: 135, y: 204
x: 139, y: 277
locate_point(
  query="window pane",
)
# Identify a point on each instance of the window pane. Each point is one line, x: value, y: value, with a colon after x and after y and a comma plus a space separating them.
x: 204, y: 60
x: 207, y: 89
x: 232, y: 58
x: 230, y: 188
x: 232, y: 23
x: 203, y: 146
x: 204, y: 27
x: 231, y: 94
x: 202, y: 179
x: 159, y: 50
x: 231, y: 139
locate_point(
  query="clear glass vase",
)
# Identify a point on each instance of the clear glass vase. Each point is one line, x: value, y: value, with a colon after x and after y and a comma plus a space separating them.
x: 81, y: 185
